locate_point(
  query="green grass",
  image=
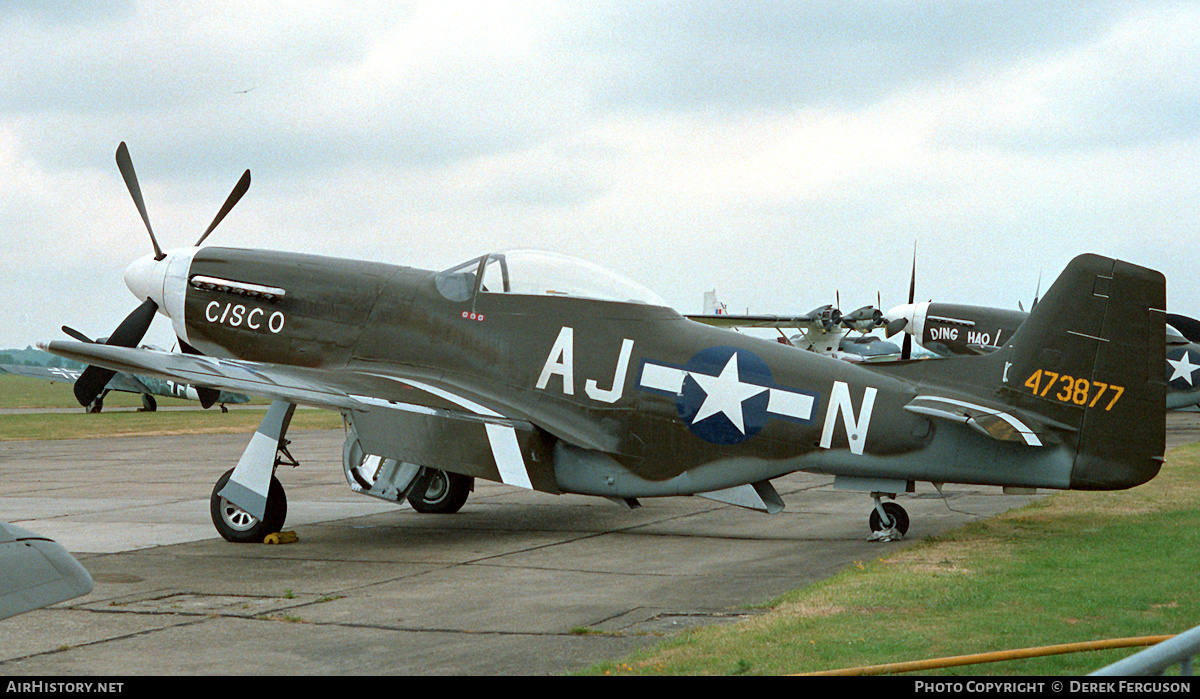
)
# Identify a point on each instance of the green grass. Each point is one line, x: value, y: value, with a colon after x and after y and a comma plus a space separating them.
x: 198, y: 421
x: 26, y: 392
x: 1071, y: 567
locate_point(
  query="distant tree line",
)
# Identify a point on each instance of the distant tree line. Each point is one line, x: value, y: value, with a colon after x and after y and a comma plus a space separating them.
x: 35, y: 357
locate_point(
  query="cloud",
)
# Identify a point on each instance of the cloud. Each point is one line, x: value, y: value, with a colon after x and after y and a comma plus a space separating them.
x: 780, y: 152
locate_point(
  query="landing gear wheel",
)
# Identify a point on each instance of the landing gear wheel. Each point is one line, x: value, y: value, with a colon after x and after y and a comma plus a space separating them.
x: 898, y: 515
x: 444, y: 494
x: 236, y: 525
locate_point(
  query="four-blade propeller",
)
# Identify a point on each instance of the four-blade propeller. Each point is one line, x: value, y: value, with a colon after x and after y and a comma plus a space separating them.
x: 130, y: 332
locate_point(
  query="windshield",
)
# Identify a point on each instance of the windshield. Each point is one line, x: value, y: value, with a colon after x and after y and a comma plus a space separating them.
x: 535, y: 272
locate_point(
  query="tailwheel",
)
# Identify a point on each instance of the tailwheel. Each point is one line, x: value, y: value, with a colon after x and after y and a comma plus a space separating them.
x: 895, y: 525
x: 239, y: 526
x: 443, y: 493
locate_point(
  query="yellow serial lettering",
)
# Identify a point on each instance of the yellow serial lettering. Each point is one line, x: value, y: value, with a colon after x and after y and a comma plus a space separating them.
x: 1069, y: 389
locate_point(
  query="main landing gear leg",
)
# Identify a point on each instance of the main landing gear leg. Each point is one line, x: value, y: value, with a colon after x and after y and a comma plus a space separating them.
x: 888, y: 521
x: 248, y: 502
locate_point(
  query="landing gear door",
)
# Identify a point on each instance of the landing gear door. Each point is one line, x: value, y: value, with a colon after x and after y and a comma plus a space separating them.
x: 513, y: 452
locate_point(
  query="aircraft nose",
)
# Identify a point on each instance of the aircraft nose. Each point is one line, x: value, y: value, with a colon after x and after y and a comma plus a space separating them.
x: 144, y: 277
x: 903, y: 312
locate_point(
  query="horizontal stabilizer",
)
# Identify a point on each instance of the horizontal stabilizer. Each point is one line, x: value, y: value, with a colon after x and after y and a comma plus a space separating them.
x: 1003, y: 425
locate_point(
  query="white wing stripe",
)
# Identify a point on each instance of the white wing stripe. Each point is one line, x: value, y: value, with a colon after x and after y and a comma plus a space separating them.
x: 1026, y: 432
x: 502, y: 438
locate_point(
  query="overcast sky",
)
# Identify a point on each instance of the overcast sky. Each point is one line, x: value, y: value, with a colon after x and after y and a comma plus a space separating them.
x: 781, y: 153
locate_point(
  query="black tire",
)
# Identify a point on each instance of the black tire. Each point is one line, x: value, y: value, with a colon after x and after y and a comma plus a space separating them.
x: 893, y: 510
x: 240, y: 527
x: 444, y: 494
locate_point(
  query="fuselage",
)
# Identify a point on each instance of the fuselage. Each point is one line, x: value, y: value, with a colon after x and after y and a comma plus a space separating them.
x: 949, y: 329
x: 670, y: 400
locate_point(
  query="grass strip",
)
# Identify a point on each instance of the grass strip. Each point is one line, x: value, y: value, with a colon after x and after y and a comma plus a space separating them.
x: 162, y: 422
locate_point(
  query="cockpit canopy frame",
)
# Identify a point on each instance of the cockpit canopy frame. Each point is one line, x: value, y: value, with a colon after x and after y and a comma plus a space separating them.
x: 540, y: 273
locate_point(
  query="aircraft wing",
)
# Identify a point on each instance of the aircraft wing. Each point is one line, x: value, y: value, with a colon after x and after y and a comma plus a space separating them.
x: 120, y: 382
x: 292, y: 384
x: 369, y: 391
x: 36, y: 572
x: 404, y: 415
x: 725, y: 320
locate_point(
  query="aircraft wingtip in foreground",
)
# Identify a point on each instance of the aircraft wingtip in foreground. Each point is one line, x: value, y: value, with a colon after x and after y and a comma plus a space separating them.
x: 548, y: 373
x: 36, y: 572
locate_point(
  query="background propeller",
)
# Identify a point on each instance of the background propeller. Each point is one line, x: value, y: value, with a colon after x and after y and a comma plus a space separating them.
x: 130, y: 332
x: 76, y: 334
x: 906, y: 348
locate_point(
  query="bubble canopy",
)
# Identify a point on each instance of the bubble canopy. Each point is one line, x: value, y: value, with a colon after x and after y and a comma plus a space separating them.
x: 540, y: 273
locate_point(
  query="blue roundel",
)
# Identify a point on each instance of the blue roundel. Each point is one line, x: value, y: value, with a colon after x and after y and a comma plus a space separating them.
x: 725, y: 395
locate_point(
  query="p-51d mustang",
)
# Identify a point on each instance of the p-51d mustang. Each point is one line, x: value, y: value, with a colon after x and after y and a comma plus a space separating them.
x: 551, y: 374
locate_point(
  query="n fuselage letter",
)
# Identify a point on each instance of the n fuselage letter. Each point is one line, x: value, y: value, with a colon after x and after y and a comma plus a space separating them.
x: 856, y: 427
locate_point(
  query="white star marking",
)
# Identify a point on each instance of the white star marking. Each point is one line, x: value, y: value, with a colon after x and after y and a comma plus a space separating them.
x: 725, y: 393
x: 1183, y: 368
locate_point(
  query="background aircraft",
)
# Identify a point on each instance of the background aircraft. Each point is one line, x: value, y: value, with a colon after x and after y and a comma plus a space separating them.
x: 549, y: 373
x: 824, y: 329
x: 146, y: 386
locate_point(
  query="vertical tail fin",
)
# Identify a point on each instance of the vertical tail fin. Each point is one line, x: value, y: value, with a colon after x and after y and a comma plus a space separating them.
x: 1090, y: 359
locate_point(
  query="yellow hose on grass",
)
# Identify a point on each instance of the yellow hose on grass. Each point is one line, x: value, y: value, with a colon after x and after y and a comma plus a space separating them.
x: 994, y: 657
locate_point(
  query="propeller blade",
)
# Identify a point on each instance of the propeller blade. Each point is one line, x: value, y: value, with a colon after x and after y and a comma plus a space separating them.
x: 125, y: 165
x: 239, y: 189
x: 129, y: 333
x: 76, y: 334
x: 208, y: 396
x: 912, y: 281
x: 91, y: 383
x: 906, y: 348
x: 131, y: 330
x: 895, y: 326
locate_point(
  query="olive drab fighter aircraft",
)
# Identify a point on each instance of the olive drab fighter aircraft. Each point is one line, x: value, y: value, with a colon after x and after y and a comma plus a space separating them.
x: 551, y: 374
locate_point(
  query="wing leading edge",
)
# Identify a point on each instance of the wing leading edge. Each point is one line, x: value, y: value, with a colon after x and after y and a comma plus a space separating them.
x: 406, y: 418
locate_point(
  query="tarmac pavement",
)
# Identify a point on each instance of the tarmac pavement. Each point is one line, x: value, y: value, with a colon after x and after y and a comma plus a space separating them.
x: 517, y: 583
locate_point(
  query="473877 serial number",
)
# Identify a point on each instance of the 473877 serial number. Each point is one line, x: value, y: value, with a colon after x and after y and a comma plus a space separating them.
x: 1069, y: 389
